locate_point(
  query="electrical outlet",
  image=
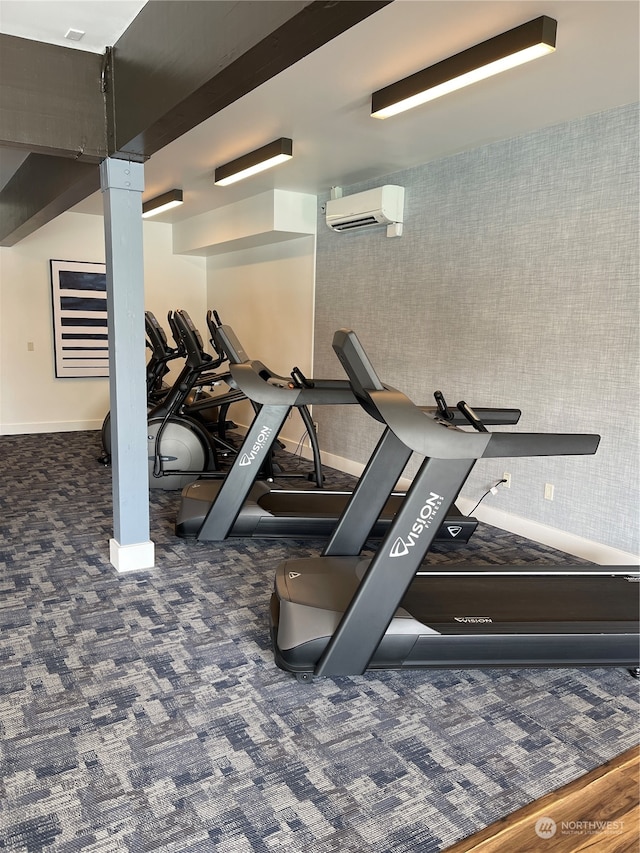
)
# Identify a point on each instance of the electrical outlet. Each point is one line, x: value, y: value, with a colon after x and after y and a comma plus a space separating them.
x: 548, y: 491
x: 507, y: 480
x: 315, y: 426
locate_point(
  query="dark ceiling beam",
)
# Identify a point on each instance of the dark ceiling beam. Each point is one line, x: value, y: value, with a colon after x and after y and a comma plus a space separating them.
x: 51, y: 104
x: 182, y: 61
x: 43, y: 187
x: 50, y: 99
x: 178, y: 63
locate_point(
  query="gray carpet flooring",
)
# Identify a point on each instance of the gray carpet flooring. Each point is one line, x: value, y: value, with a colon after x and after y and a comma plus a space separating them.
x: 144, y: 712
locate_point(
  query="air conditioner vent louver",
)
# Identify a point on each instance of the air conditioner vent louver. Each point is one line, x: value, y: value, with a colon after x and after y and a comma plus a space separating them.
x: 380, y: 206
x: 356, y: 223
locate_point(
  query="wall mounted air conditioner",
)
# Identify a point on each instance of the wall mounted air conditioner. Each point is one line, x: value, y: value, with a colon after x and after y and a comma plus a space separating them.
x: 381, y: 206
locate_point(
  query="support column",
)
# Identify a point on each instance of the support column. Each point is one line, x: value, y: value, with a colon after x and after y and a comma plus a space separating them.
x: 122, y: 183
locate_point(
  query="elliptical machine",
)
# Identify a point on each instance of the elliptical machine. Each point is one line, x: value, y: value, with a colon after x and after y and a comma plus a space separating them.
x: 180, y: 447
x: 157, y: 369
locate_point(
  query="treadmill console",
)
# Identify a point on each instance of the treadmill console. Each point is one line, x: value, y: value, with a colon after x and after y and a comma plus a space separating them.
x: 231, y: 345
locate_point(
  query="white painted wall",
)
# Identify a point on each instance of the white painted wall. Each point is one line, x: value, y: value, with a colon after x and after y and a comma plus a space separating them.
x: 515, y: 284
x: 266, y: 294
x: 32, y: 399
x: 172, y: 282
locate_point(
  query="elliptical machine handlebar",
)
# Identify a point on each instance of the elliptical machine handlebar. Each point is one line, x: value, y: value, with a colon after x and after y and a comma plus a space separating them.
x: 192, y: 342
x: 213, y: 322
x: 161, y: 355
x: 175, y: 333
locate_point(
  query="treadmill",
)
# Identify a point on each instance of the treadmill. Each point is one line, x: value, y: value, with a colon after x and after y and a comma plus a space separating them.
x: 212, y: 510
x: 337, y: 615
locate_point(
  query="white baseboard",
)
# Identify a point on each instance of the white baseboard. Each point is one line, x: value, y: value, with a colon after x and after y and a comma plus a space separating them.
x: 329, y: 459
x: 51, y: 426
x: 569, y: 543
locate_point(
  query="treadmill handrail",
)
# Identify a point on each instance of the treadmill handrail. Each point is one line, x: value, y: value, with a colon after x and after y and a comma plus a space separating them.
x: 263, y: 386
x: 267, y: 388
x: 489, y: 415
x: 435, y: 439
x: 445, y: 441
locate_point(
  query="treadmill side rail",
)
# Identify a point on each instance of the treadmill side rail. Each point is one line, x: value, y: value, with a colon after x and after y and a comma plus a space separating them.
x: 619, y: 648
x: 369, y: 496
x: 255, y: 449
x: 393, y: 567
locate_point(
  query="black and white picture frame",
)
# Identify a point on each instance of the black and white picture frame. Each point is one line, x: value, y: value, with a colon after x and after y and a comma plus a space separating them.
x: 79, y: 295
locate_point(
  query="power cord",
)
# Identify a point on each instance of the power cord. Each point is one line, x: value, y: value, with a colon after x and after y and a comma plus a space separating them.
x: 297, y: 451
x: 492, y: 491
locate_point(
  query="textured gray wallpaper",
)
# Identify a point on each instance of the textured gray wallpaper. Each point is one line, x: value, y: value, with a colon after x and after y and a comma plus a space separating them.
x: 515, y: 283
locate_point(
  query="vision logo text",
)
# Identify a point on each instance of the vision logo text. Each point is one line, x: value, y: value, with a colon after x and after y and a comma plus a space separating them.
x: 248, y: 457
x: 428, y: 512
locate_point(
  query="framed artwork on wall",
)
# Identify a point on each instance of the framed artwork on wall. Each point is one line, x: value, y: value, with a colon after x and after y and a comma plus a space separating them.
x: 79, y: 298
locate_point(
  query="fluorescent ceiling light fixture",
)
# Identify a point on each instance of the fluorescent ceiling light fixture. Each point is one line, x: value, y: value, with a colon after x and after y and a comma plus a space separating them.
x: 256, y: 161
x: 160, y: 203
x: 528, y: 41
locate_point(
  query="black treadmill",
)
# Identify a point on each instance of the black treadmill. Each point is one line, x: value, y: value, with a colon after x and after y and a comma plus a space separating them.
x: 212, y: 510
x: 336, y: 615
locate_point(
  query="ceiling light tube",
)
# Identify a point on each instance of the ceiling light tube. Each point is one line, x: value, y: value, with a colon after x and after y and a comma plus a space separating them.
x: 528, y: 41
x: 160, y: 203
x: 256, y: 161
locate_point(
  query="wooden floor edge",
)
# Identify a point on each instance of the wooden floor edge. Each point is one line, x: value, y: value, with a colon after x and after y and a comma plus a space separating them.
x: 507, y: 823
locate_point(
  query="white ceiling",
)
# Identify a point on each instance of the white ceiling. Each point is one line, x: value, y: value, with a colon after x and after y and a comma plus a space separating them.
x: 102, y: 21
x: 323, y: 101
